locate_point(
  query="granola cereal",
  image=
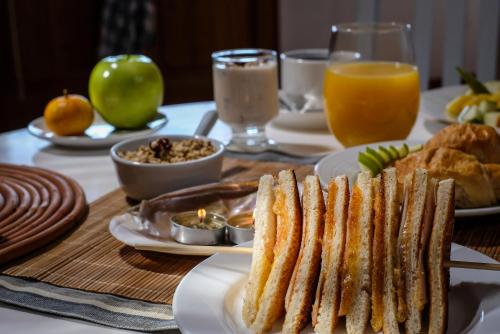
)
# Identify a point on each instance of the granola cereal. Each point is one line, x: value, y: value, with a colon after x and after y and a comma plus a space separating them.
x: 163, y: 150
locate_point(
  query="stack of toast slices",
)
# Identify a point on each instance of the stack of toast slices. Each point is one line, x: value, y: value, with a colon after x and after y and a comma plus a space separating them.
x: 361, y: 254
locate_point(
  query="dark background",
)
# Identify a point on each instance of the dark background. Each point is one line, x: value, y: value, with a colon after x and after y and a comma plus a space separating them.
x: 49, y: 45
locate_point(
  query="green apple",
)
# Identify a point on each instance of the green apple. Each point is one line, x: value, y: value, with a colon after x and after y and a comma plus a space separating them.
x: 126, y: 90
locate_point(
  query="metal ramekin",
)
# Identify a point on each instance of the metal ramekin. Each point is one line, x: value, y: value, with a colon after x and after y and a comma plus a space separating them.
x: 193, y: 236
x: 239, y: 235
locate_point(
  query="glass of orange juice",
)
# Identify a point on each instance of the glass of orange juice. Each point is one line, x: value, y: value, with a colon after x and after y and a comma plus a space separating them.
x: 371, y: 85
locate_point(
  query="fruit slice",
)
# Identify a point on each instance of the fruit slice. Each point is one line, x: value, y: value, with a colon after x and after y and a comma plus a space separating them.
x: 364, y: 168
x: 492, y: 118
x: 455, y: 106
x: 385, y: 155
x: 416, y: 148
x: 469, y: 114
x: 367, y: 163
x: 403, y: 151
x: 374, y: 161
x: 377, y: 156
x: 486, y: 106
x: 394, y: 152
x: 387, y: 152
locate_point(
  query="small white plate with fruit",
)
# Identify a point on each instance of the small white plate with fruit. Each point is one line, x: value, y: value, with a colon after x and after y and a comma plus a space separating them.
x: 475, y: 102
x: 99, y: 134
x: 125, y: 94
x: 374, y: 157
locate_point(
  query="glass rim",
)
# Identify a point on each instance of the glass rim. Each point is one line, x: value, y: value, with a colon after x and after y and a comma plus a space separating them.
x: 371, y: 27
x: 244, y: 55
x: 298, y: 55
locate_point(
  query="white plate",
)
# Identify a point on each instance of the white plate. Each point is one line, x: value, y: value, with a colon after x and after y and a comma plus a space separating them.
x: 310, y: 120
x: 99, y: 135
x: 346, y: 162
x: 127, y: 230
x: 209, y: 298
x: 434, y: 103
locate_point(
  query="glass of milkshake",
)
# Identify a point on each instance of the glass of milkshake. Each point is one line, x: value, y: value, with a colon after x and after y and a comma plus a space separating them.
x: 246, y: 94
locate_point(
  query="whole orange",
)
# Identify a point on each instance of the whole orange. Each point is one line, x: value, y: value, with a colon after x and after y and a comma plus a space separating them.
x: 68, y: 115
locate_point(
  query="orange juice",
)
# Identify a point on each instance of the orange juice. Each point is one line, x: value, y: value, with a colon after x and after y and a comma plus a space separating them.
x: 371, y: 101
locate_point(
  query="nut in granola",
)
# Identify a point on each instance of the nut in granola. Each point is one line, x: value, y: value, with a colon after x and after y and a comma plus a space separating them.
x: 163, y: 150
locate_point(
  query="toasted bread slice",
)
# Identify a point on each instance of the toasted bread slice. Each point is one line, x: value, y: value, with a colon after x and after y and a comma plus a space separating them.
x: 430, y: 205
x: 288, y: 234
x: 263, y: 244
x: 378, y: 256
x: 390, y: 201
x: 300, y: 294
x: 399, y: 274
x: 327, y: 302
x: 410, y: 242
x: 356, y: 272
x: 439, y: 252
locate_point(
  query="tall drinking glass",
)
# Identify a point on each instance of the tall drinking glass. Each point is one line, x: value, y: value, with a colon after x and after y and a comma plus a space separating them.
x: 372, y: 95
x: 246, y: 94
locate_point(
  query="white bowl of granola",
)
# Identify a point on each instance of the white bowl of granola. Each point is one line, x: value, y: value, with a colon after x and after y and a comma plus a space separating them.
x: 148, y: 167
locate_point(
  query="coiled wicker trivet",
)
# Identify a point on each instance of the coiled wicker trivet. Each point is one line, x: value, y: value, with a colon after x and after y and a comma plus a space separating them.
x: 36, y: 206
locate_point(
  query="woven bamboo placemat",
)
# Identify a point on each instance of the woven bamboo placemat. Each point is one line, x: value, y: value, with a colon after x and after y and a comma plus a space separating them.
x: 89, y: 258
x: 481, y: 234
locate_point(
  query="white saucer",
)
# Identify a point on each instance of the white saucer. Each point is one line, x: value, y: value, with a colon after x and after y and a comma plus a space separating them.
x: 313, y: 120
x: 346, y: 162
x: 99, y: 135
x: 127, y: 229
x: 209, y: 298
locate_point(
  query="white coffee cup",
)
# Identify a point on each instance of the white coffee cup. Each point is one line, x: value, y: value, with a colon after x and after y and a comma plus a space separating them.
x: 302, y: 73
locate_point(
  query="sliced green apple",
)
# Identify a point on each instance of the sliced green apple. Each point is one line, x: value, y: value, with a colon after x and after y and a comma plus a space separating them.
x: 364, y: 168
x: 385, y: 156
x: 416, y: 148
x: 394, y: 152
x: 375, y: 160
x: 470, y: 114
x: 486, y: 106
x: 376, y: 155
x: 386, y: 152
x: 492, y: 118
x: 403, y: 151
x: 368, y: 163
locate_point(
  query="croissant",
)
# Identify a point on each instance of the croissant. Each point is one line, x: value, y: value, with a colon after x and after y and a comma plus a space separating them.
x: 494, y: 170
x: 468, y: 153
x: 482, y: 141
x: 474, y: 185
